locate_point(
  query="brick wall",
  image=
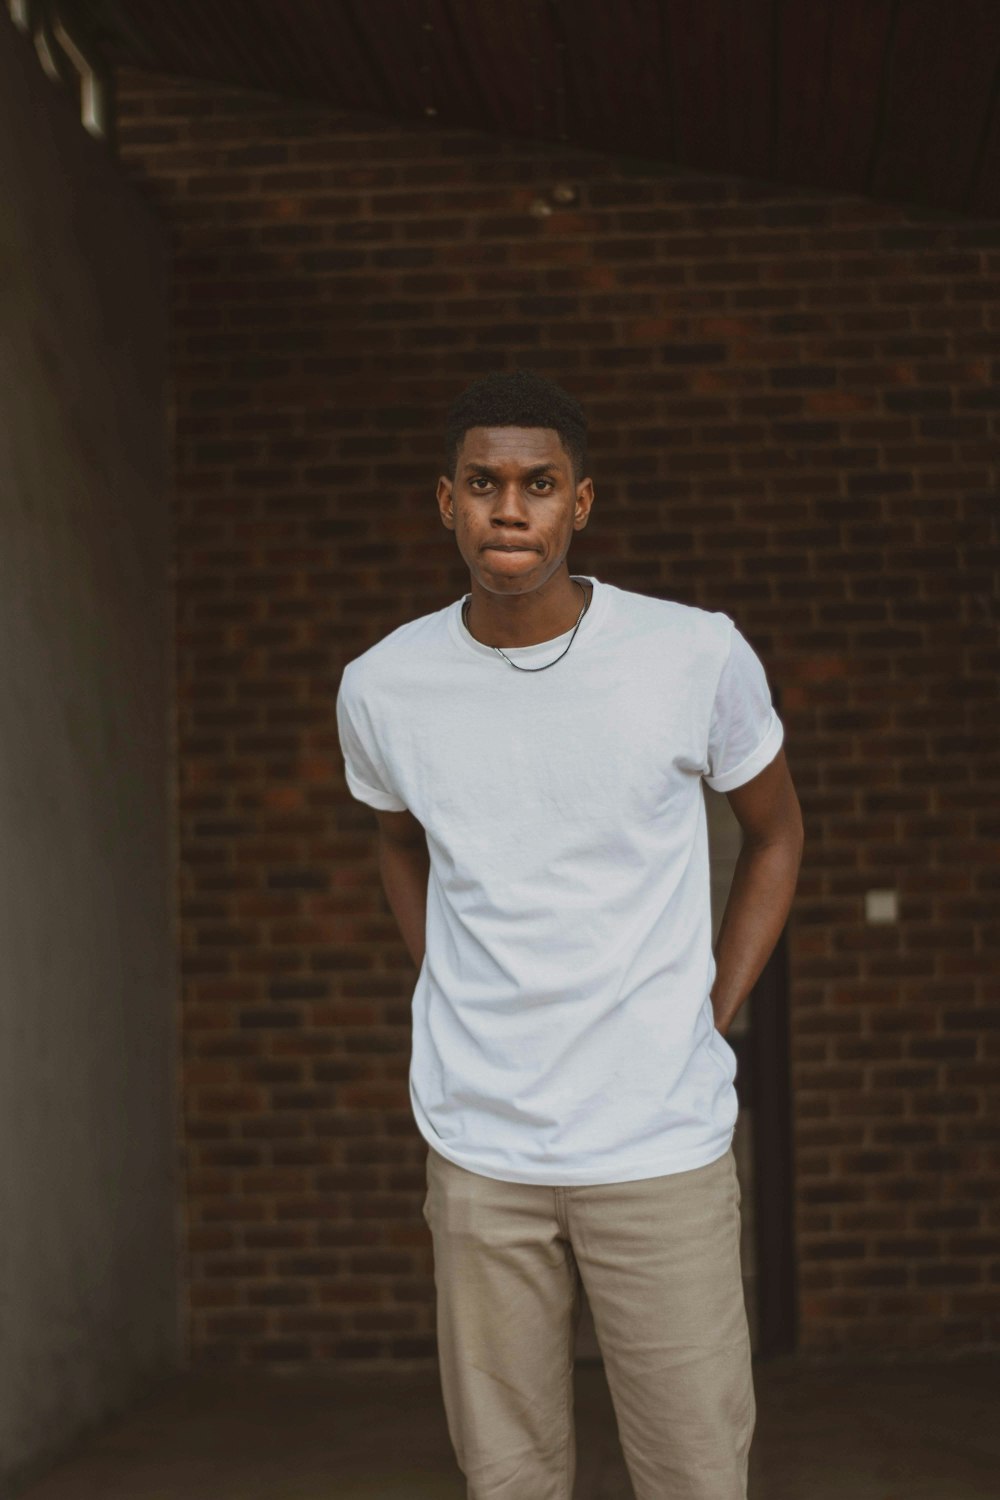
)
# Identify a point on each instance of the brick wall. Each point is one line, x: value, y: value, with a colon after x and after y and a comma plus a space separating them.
x: 793, y: 404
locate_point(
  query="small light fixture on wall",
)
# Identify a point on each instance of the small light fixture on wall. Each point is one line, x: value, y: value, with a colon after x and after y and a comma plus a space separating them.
x: 562, y: 195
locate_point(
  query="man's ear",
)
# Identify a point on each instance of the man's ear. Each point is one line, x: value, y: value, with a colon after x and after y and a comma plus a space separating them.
x: 445, y: 502
x: 584, y: 500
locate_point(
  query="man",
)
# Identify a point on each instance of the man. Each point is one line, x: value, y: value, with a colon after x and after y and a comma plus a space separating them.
x: 534, y: 753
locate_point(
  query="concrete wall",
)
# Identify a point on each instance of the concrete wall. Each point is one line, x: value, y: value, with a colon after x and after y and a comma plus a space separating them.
x: 88, y: 1238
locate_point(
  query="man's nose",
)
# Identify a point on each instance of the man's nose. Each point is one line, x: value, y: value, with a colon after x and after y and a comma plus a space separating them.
x: 510, y: 504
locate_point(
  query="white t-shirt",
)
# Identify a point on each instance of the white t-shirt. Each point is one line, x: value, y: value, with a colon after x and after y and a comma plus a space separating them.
x: 563, y: 1030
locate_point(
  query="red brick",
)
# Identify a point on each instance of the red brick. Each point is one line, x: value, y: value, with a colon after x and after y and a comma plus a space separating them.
x: 791, y: 394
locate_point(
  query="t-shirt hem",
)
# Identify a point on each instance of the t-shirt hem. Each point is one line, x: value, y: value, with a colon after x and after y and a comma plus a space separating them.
x: 583, y: 1177
x: 748, y: 768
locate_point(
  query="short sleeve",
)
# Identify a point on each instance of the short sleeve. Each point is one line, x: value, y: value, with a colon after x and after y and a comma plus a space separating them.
x: 367, y: 777
x: 745, y: 733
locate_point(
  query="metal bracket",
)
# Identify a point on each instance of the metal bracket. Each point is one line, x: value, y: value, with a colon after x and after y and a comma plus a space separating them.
x: 69, y: 57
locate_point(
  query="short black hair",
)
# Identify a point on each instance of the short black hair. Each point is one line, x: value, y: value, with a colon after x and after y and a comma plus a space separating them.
x: 518, y: 398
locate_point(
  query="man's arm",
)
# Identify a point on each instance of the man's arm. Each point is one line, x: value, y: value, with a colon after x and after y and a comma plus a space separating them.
x: 404, y: 864
x: 764, y: 881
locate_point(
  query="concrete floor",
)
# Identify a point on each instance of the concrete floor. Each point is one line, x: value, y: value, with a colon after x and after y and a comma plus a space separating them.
x: 851, y: 1432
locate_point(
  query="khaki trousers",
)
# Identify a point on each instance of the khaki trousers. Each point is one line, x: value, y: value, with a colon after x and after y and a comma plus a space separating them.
x: 660, y: 1262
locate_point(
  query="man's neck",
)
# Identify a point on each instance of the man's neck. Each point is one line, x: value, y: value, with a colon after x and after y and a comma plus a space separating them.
x: 526, y: 619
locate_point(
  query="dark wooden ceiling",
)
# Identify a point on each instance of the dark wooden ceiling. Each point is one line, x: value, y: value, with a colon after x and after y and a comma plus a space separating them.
x: 899, y: 99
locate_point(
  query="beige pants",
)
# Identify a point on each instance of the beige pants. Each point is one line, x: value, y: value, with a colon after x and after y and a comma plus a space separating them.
x: 660, y: 1261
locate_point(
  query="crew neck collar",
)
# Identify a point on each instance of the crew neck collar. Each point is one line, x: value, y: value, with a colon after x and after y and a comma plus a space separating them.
x: 543, y: 650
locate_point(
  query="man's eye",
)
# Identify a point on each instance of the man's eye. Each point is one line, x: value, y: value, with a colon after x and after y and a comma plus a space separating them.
x: 482, y: 479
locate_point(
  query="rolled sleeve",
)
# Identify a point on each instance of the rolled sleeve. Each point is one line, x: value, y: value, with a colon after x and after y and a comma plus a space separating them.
x: 745, y: 733
x: 364, y: 771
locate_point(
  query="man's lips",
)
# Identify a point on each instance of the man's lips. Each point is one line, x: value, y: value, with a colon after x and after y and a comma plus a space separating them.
x: 508, y: 547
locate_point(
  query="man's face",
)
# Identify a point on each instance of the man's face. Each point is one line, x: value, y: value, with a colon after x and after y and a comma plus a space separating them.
x: 513, y: 506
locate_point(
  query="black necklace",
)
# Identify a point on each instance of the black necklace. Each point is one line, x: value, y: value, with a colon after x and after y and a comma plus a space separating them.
x: 501, y: 652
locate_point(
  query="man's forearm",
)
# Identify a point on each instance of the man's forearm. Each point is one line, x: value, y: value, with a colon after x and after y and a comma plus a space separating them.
x: 404, y: 869
x: 760, y: 898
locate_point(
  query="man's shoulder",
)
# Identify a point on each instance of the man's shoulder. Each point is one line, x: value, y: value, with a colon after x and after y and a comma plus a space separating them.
x: 657, y: 613
x: 412, y: 638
